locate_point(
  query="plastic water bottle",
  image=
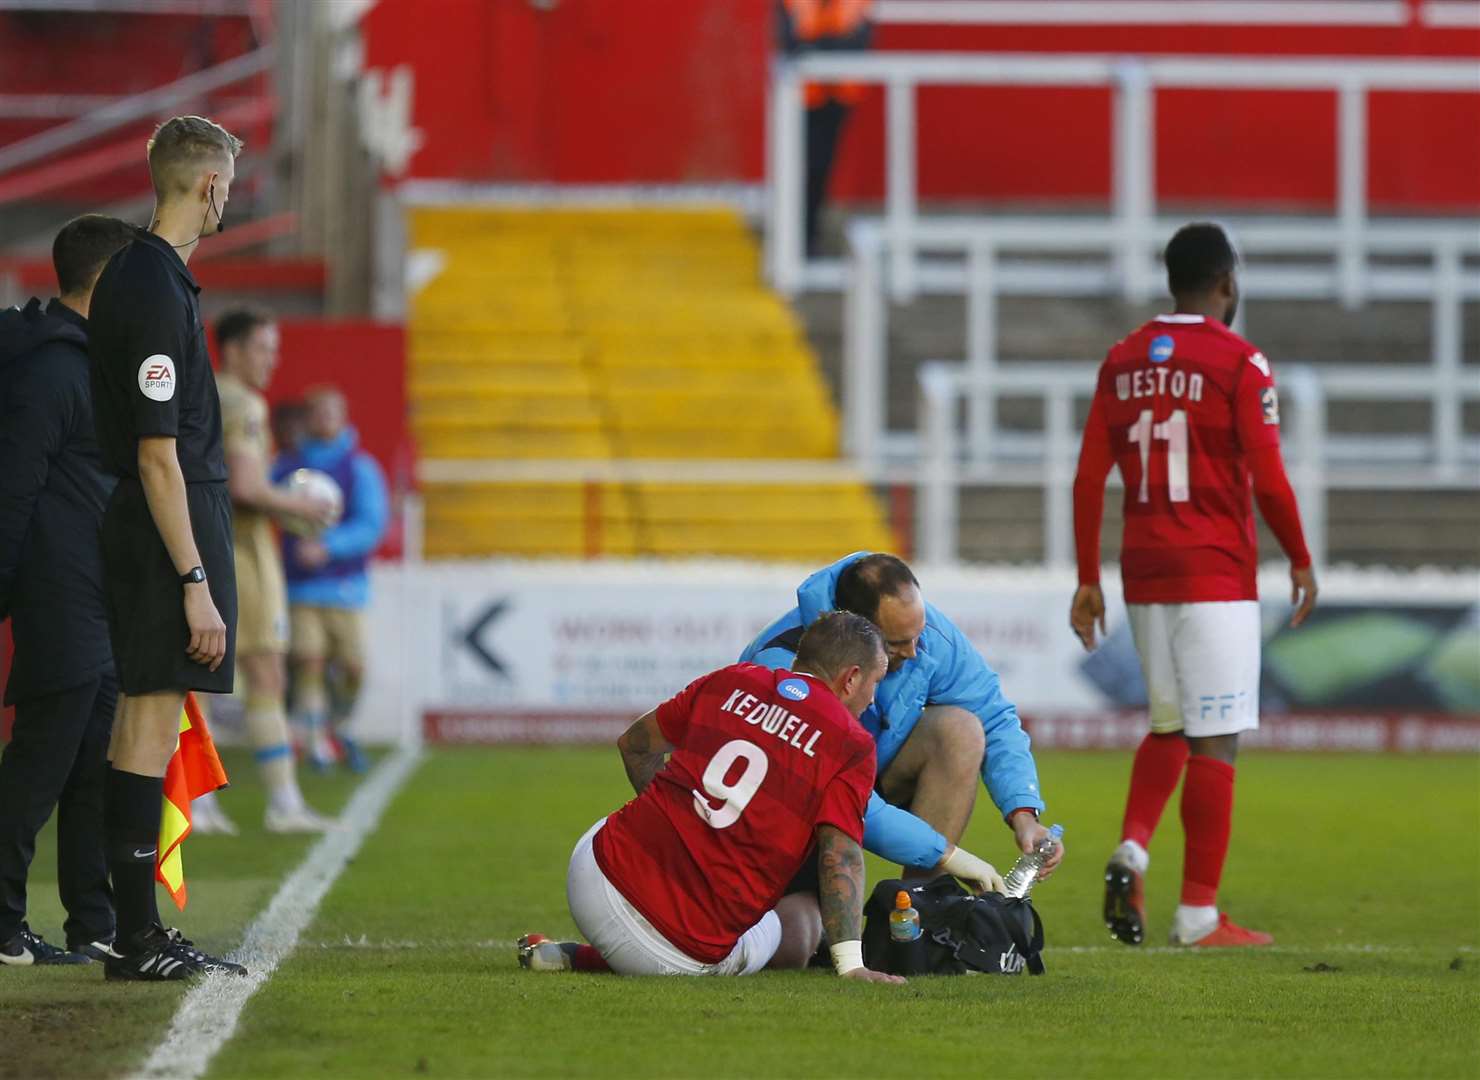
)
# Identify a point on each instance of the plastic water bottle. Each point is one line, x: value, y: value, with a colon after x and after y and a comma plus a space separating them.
x: 904, y: 920
x: 906, y: 945
x: 1024, y: 873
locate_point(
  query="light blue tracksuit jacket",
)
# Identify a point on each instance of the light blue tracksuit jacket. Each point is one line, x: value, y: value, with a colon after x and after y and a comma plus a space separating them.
x: 946, y: 670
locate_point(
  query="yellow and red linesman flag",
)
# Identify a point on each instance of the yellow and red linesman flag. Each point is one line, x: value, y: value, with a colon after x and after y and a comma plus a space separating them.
x: 195, y: 770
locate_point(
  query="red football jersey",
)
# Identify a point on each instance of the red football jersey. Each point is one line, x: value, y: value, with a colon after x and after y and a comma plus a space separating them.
x: 1179, y: 406
x: 762, y: 758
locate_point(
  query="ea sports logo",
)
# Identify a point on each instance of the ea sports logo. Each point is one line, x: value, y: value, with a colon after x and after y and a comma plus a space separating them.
x: 796, y: 689
x: 157, y: 378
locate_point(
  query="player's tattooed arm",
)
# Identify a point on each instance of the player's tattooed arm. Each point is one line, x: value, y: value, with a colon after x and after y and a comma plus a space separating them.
x: 643, y: 750
x: 840, y: 888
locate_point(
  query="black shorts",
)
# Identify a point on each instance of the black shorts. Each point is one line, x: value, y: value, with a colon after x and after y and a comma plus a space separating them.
x: 808, y: 879
x: 146, y: 604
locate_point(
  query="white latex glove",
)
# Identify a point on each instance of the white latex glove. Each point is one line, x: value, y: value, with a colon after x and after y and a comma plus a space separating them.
x: 979, y: 875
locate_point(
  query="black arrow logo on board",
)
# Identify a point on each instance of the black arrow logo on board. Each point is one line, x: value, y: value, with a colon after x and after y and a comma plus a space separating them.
x: 472, y: 636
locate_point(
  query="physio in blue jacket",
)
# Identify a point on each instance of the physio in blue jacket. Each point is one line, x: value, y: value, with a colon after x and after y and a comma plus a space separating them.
x: 939, y: 717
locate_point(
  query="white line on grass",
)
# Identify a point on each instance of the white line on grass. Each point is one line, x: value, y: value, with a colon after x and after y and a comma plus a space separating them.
x: 1182, y: 950
x: 209, y: 1012
x: 500, y: 945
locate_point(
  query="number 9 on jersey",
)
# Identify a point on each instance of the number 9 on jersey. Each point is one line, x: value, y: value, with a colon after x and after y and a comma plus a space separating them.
x: 735, y: 797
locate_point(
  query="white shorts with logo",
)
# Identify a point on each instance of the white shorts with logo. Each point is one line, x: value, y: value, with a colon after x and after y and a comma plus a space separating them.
x: 1201, y: 663
x: 631, y: 945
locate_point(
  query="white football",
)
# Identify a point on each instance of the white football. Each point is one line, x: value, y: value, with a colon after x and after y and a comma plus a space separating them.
x: 318, y: 485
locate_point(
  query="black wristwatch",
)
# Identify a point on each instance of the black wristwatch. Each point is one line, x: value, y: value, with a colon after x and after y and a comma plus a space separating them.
x: 195, y: 577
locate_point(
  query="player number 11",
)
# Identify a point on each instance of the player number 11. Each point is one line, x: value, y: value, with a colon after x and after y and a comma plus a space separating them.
x: 1174, y: 430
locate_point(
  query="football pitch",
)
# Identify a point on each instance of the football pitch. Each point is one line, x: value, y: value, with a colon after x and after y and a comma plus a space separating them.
x: 1365, y: 868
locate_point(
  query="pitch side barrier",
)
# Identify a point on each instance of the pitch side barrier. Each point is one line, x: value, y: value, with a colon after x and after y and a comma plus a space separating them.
x: 1134, y: 82
x: 1047, y: 459
x: 500, y: 651
x: 1069, y: 256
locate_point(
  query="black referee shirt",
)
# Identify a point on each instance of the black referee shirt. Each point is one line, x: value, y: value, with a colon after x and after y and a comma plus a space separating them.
x: 151, y: 373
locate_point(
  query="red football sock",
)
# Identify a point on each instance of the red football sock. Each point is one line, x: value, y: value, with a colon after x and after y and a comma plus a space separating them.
x: 1207, y: 818
x: 1154, y: 777
x: 588, y: 958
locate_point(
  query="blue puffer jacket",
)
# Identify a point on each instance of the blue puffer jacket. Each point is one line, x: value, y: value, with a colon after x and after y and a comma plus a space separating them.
x: 946, y: 670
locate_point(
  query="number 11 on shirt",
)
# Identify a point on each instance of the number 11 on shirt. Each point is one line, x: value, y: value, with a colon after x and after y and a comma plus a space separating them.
x: 1172, y: 430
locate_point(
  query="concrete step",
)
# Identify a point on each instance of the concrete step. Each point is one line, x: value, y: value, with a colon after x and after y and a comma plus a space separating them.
x: 934, y: 328
x: 1396, y: 528
x: 1382, y: 528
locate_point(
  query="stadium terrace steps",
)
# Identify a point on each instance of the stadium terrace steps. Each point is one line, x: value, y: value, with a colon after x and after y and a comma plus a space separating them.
x: 665, y: 519
x: 1378, y: 527
x: 1372, y: 528
x: 619, y: 335
x: 1404, y: 528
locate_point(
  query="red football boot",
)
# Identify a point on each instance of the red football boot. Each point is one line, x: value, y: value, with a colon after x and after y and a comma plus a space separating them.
x: 1229, y: 935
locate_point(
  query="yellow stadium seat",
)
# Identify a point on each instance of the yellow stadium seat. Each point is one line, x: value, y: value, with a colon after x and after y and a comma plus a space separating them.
x: 555, y: 335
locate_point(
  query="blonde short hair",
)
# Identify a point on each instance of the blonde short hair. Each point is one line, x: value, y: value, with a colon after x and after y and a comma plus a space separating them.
x: 182, y: 148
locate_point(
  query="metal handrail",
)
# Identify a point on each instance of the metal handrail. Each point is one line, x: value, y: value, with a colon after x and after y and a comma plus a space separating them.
x: 132, y: 7
x: 979, y: 269
x: 1133, y: 196
x: 940, y: 476
x: 1285, y: 13
x: 113, y: 155
x: 134, y: 108
x: 945, y: 464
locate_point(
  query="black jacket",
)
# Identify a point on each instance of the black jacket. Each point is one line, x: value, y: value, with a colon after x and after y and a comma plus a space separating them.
x: 52, y: 494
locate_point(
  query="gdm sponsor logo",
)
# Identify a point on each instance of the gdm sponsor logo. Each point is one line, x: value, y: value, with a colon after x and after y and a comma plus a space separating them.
x: 796, y: 689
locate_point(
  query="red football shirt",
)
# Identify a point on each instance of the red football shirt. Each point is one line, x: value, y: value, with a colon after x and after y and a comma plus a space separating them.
x: 762, y: 758
x: 1180, y: 406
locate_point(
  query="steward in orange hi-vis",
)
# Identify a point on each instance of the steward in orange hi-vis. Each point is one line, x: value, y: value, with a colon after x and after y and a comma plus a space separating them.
x: 827, y: 25
x: 823, y: 26
x: 195, y: 770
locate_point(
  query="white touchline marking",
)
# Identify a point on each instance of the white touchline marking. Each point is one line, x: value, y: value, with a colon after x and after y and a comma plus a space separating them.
x: 208, y: 1014
x: 1183, y: 950
x: 393, y: 945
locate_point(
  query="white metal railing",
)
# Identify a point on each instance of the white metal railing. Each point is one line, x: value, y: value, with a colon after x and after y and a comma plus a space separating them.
x: 1304, y: 14
x: 126, y: 110
x: 983, y: 261
x: 944, y: 467
x: 1134, y: 81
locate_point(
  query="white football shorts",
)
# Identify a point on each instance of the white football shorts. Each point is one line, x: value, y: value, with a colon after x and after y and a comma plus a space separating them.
x: 631, y: 945
x: 1201, y: 664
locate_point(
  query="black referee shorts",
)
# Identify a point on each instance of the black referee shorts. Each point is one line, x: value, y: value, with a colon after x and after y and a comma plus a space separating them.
x: 146, y: 604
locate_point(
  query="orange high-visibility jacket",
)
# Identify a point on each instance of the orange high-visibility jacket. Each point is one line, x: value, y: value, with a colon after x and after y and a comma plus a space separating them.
x: 832, y: 22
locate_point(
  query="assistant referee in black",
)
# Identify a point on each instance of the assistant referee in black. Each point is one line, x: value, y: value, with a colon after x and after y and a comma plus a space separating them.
x: 168, y: 570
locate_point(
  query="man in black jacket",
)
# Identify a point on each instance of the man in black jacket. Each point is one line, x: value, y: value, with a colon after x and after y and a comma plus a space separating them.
x: 52, y: 493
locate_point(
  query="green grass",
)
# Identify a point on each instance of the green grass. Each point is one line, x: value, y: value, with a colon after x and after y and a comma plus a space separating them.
x: 1366, y: 869
x: 67, y: 1022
